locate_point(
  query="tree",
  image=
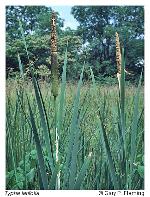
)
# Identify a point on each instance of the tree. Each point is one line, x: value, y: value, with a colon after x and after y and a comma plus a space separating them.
x: 36, y: 25
x: 98, y: 25
x: 38, y: 43
x: 35, y: 20
x: 93, y: 42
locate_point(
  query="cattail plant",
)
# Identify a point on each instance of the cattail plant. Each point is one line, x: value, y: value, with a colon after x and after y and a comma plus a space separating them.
x: 55, y: 84
x: 121, y: 80
x: 120, y: 74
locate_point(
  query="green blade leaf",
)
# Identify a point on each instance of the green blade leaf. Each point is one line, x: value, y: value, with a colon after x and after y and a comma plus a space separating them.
x: 44, y: 122
x: 39, y: 150
x: 109, y: 155
x: 53, y: 179
x: 73, y: 139
x: 62, y: 95
x: 105, y: 142
x: 122, y: 97
x: 81, y: 175
x: 141, y: 171
x: 134, y: 128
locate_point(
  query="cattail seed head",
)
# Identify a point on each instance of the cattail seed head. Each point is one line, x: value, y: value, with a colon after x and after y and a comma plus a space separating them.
x: 54, y: 58
x: 53, y: 33
x: 118, y: 54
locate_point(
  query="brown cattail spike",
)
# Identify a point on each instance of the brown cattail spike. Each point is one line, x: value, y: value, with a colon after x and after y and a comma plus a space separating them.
x: 53, y: 33
x: 118, y: 54
x: 54, y: 59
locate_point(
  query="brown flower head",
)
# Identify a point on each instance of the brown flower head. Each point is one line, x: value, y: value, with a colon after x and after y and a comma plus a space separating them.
x: 118, y: 54
x: 54, y: 59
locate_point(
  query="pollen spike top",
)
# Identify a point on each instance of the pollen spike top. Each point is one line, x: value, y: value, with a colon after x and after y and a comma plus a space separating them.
x: 54, y: 58
x: 118, y: 54
x: 53, y: 33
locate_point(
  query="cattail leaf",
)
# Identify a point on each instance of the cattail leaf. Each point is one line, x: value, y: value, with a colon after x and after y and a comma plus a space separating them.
x: 109, y: 154
x: 44, y: 122
x: 103, y: 137
x: 73, y: 162
x: 39, y: 150
x: 122, y: 126
x: 52, y: 184
x: 82, y: 173
x: 141, y: 171
x: 134, y: 128
x: 62, y: 95
x: 73, y: 139
x: 13, y: 157
x: 122, y: 96
x: 40, y: 179
x: 30, y: 175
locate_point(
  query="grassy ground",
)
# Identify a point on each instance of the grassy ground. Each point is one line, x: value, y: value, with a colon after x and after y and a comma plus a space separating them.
x: 98, y: 159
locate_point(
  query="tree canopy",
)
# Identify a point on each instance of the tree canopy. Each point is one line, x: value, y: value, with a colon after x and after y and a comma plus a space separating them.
x: 93, y: 42
x: 98, y: 25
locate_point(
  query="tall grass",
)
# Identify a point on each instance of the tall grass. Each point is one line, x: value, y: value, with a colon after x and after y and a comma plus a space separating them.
x: 83, y: 138
x: 90, y: 140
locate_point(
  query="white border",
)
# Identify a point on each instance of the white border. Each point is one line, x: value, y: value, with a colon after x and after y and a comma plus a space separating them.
x: 76, y: 2
x: 147, y: 98
x: 2, y: 80
x: 2, y: 99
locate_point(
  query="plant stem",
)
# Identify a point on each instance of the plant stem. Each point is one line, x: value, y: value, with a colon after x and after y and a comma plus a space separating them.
x: 57, y: 145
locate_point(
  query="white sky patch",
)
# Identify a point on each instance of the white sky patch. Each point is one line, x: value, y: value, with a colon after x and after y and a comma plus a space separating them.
x: 69, y: 24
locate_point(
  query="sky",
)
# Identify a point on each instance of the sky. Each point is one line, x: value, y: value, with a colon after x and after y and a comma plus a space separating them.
x: 65, y: 13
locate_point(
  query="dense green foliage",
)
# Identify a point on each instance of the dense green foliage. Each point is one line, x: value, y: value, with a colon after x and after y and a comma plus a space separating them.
x: 92, y: 42
x: 98, y: 25
x: 21, y: 157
